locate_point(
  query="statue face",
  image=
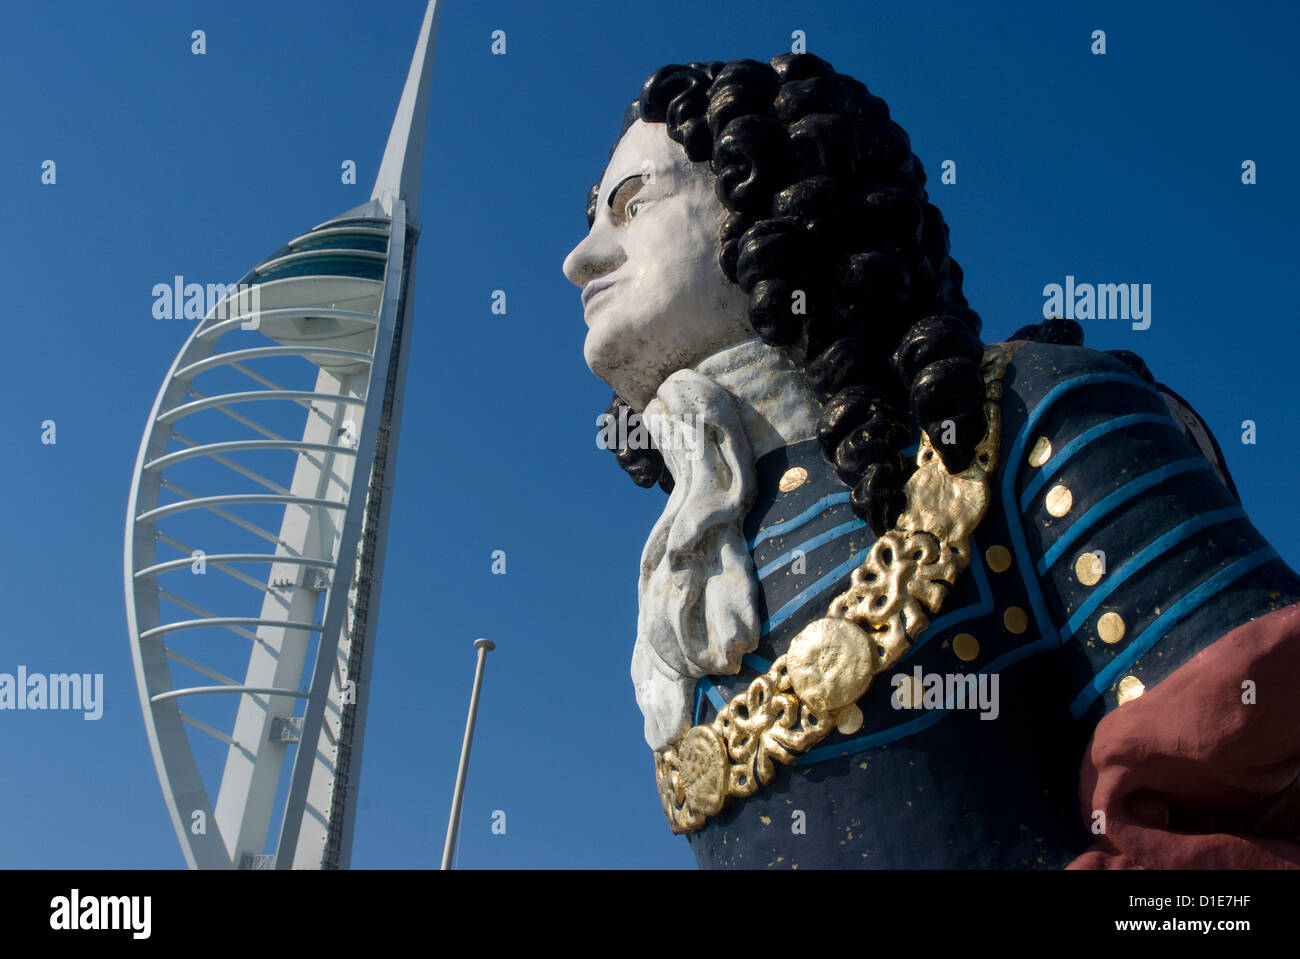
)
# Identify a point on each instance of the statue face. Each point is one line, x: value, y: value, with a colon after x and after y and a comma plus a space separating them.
x: 654, y: 298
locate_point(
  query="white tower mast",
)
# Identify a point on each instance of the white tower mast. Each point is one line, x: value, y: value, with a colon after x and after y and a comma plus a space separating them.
x: 339, y: 298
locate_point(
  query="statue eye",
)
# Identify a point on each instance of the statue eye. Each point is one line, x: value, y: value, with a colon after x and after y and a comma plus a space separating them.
x: 622, y: 200
x: 634, y: 205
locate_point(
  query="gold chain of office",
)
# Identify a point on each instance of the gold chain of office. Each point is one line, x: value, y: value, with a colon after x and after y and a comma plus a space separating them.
x: 815, y: 686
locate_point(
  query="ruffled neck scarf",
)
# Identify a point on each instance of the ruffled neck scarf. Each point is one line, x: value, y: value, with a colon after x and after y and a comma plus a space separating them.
x: 698, y: 595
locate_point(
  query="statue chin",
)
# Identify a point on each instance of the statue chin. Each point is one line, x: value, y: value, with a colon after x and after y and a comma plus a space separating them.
x: 611, y: 359
x: 622, y: 362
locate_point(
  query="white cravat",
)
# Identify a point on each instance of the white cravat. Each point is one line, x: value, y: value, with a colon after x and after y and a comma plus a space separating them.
x: 698, y: 595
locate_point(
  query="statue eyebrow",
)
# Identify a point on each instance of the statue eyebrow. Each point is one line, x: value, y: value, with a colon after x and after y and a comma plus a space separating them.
x: 614, y: 192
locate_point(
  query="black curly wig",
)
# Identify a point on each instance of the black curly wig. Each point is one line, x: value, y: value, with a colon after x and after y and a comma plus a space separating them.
x: 824, y: 196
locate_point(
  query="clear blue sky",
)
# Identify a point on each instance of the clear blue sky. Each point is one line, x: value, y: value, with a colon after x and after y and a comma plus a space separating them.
x: 1117, y: 168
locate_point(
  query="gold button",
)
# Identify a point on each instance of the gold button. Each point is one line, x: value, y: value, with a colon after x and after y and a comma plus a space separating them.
x: 1110, y: 627
x: 793, y: 478
x: 1130, y: 687
x: 998, y: 558
x: 1041, y: 452
x: 1088, y: 568
x: 1059, y: 500
x: 1015, y: 620
x: 966, y: 646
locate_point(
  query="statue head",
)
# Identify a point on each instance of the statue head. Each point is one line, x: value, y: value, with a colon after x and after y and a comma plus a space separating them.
x: 779, y: 200
x: 654, y: 298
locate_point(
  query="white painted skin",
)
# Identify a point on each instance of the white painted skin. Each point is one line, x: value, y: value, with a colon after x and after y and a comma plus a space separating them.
x: 661, y: 302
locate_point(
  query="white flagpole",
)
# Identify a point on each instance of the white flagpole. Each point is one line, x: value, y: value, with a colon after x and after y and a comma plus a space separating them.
x: 484, y: 647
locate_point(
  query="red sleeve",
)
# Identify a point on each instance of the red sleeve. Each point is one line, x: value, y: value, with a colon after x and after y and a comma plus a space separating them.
x: 1194, y: 775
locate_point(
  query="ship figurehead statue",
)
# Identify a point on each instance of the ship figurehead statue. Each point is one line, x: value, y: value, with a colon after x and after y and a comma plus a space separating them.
x: 914, y: 600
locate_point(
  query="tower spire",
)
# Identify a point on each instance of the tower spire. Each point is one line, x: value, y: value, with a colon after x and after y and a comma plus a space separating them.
x: 399, y: 171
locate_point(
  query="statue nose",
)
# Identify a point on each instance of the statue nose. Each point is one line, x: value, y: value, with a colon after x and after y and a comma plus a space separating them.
x: 595, y: 256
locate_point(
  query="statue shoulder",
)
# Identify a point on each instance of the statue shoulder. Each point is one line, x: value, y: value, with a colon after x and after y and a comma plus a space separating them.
x: 1036, y: 369
x: 1098, y: 382
x: 1140, y: 553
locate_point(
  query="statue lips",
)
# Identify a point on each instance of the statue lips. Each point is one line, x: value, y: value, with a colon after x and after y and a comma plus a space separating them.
x: 594, y: 288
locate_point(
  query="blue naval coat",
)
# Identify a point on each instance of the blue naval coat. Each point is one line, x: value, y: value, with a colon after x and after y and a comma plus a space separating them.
x: 942, y: 787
